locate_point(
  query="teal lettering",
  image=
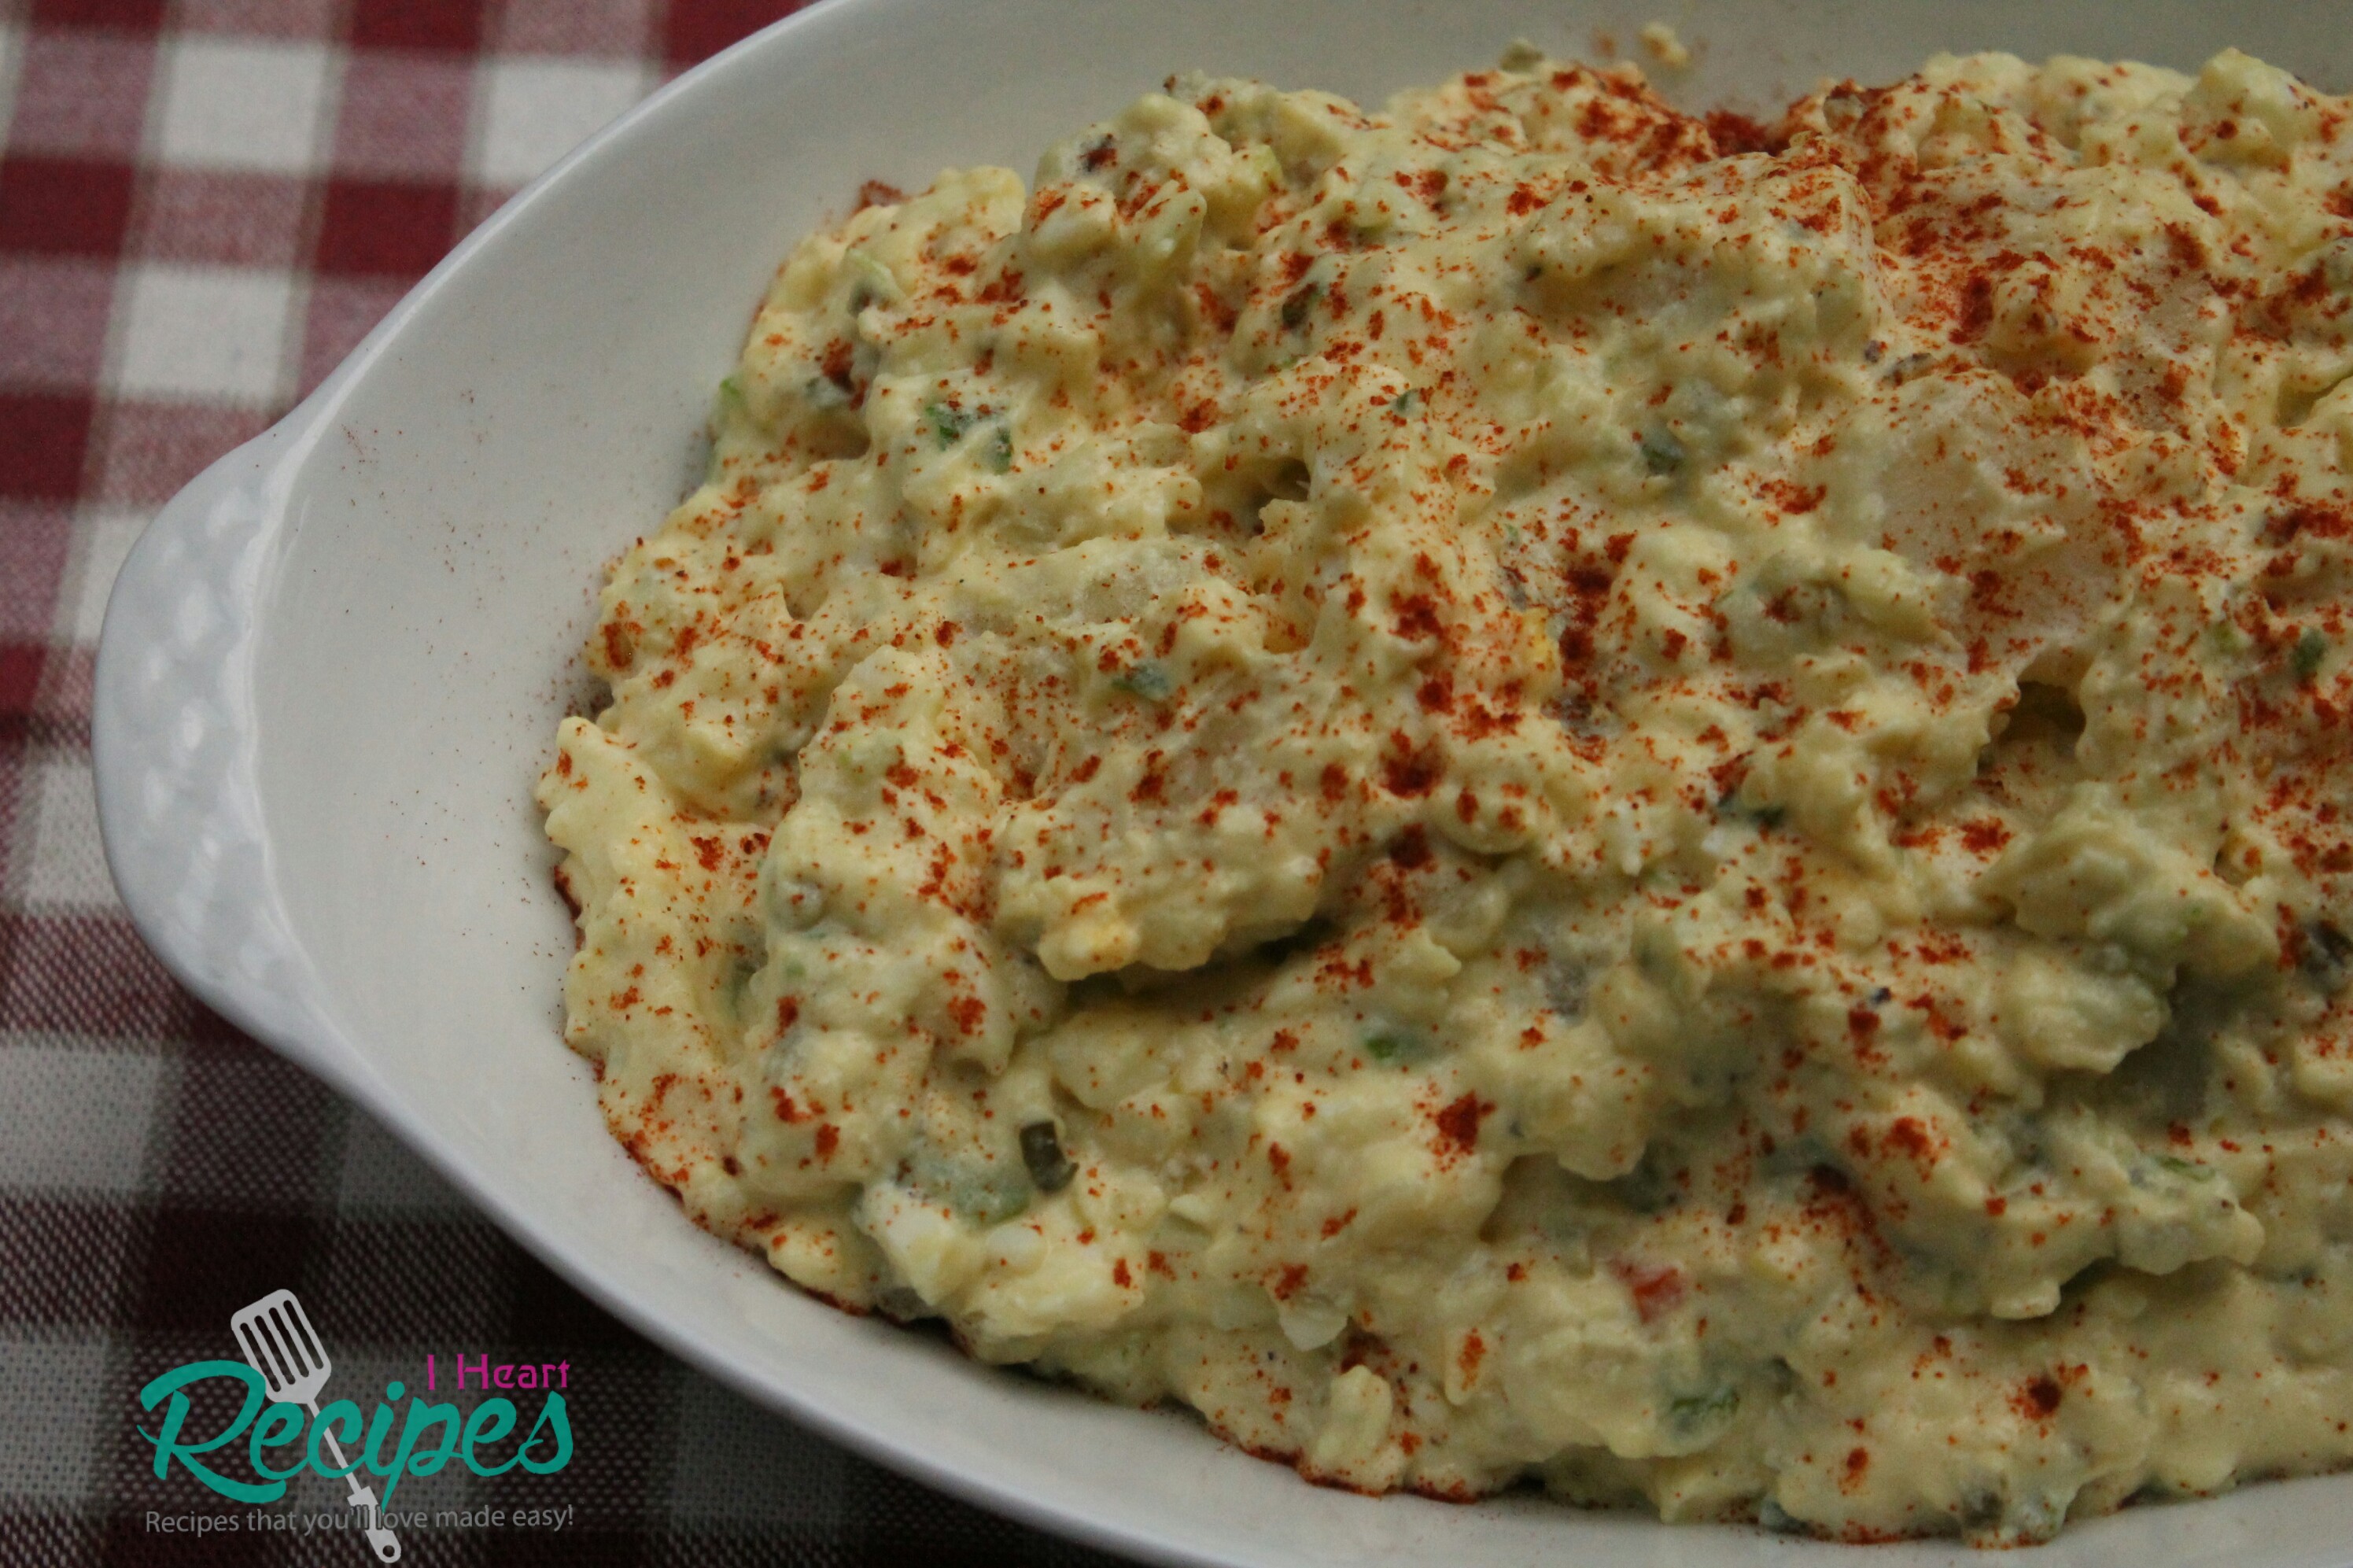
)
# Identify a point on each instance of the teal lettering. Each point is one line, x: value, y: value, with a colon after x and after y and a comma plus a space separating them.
x: 491, y: 1423
x: 167, y: 1443
x: 280, y: 1425
x: 342, y: 1413
x: 380, y: 1428
x: 551, y: 1412
x: 432, y: 1436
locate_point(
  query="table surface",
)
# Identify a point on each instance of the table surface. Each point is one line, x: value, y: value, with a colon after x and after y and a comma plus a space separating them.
x: 203, y: 204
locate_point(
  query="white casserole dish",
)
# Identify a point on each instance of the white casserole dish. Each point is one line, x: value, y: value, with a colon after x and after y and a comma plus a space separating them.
x: 331, y: 668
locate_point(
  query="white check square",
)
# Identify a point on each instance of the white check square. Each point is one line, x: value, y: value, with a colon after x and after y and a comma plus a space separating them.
x: 213, y: 333
x: 67, y: 869
x: 736, y: 1466
x: 380, y: 1175
x: 97, y: 1108
x: 106, y: 539
x: 243, y: 104
x: 12, y: 57
x: 529, y: 112
x: 54, y: 1389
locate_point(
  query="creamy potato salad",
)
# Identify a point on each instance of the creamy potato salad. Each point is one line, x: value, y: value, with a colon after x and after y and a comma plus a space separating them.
x: 1532, y: 788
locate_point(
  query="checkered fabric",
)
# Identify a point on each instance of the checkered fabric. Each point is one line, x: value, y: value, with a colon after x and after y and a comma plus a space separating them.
x: 203, y: 204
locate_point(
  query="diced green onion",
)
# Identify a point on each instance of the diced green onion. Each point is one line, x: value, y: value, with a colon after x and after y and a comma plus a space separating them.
x: 2188, y: 1168
x: 1661, y: 453
x: 946, y: 422
x: 1392, y: 1045
x: 1148, y: 680
x: 1697, y: 1412
x: 2310, y: 650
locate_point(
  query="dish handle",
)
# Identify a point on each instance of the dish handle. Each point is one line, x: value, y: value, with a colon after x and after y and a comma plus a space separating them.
x: 175, y: 741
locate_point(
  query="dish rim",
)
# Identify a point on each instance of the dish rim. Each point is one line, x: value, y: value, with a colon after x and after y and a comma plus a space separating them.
x: 266, y: 989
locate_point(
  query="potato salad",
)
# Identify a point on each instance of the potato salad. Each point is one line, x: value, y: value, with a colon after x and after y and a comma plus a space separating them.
x: 1533, y: 787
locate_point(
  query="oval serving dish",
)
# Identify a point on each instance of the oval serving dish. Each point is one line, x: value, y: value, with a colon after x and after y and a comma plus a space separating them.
x: 331, y: 668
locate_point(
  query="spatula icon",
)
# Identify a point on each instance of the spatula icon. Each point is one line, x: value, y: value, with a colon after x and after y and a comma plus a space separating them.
x: 279, y: 1343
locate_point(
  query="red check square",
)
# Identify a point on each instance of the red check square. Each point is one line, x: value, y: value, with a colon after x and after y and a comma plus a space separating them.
x: 20, y: 678
x: 386, y: 227
x: 42, y: 436
x: 72, y: 207
x: 122, y: 16
x: 696, y: 29
x: 417, y: 24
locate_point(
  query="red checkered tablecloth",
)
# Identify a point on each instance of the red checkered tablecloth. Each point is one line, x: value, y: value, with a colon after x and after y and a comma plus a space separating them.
x: 203, y: 204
